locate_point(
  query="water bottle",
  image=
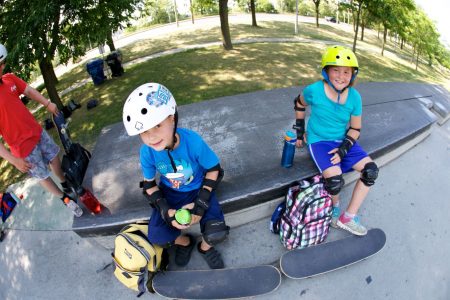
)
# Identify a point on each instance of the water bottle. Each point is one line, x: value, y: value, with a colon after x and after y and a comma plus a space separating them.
x: 288, y: 149
x: 76, y: 210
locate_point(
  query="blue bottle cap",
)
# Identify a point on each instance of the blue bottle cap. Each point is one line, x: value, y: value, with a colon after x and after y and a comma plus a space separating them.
x: 291, y: 135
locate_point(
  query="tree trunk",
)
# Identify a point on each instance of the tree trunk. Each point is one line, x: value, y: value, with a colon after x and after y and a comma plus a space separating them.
x: 296, y: 17
x: 253, y: 9
x: 417, y: 59
x: 176, y: 11
x: 317, y: 13
x: 358, y: 13
x: 384, y: 40
x: 362, y: 30
x: 48, y: 73
x: 52, y: 75
x: 110, y: 42
x: 192, y: 11
x: 225, y: 28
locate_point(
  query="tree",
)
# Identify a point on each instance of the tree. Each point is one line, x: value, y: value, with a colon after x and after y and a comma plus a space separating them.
x: 36, y: 31
x: 253, y: 10
x: 206, y: 7
x: 357, y: 6
x: 107, y: 16
x: 224, y: 27
x: 392, y: 14
x: 317, y: 3
x: 159, y: 11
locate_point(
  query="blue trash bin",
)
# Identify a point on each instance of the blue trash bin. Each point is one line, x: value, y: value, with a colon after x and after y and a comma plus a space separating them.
x: 95, y: 69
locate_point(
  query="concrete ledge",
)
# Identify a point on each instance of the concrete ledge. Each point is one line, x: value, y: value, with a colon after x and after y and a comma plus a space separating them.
x: 246, y: 132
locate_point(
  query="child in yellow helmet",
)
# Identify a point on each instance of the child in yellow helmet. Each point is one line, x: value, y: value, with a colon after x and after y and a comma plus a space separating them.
x: 333, y: 128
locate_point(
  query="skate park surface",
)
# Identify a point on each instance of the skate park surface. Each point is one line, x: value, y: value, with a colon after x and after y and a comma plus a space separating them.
x: 48, y: 255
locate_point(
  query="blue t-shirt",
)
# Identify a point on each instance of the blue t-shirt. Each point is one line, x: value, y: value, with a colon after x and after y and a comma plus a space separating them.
x: 328, y: 120
x: 192, y: 157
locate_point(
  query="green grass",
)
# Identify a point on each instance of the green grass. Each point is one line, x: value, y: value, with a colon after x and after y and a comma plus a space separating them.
x: 199, y: 75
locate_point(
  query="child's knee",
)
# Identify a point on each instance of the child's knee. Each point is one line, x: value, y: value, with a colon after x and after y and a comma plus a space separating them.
x: 334, y: 184
x: 215, y: 232
x: 369, y: 173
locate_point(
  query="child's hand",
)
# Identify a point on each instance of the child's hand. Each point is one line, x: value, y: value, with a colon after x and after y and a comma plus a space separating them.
x: 335, y: 159
x: 301, y: 142
x: 53, y: 109
x: 21, y: 164
x: 174, y: 223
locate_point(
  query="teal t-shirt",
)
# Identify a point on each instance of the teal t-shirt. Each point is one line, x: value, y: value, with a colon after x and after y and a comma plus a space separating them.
x: 328, y: 120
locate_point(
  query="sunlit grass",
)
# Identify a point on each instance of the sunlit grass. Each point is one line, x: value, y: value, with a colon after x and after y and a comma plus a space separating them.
x: 199, y: 75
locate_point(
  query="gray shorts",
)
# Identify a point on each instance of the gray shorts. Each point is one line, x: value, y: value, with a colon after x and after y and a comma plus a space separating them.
x: 44, y: 152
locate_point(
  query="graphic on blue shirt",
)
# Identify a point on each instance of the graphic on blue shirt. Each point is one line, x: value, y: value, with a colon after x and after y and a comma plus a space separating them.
x: 183, y: 176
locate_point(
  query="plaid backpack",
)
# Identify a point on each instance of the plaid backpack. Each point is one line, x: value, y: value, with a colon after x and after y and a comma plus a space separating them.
x: 307, y: 217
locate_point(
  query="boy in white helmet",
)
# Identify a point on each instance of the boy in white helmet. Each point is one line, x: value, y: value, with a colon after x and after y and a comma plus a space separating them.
x: 190, y: 172
x: 32, y: 149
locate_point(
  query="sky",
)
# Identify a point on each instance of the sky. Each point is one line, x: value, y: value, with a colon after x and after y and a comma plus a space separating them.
x: 438, y: 11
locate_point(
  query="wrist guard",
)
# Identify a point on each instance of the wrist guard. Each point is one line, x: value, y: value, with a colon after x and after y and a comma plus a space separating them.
x: 345, y: 146
x: 157, y: 201
x: 201, y: 204
x: 300, y: 128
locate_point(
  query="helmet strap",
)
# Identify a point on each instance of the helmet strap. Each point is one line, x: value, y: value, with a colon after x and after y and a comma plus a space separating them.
x: 174, y: 139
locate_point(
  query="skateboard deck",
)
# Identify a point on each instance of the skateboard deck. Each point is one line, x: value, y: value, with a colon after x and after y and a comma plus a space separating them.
x: 63, y: 130
x: 323, y: 258
x: 229, y: 283
x: 86, y: 197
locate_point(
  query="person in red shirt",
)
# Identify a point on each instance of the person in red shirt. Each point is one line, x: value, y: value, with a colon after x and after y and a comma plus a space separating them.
x: 32, y: 150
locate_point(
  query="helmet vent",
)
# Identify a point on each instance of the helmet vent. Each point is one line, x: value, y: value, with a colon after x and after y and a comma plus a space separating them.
x: 128, y: 118
x: 337, y: 57
x: 348, y: 57
x: 140, y: 94
x: 144, y: 111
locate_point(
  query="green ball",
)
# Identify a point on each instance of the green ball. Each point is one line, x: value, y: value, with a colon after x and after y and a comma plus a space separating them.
x: 183, y: 216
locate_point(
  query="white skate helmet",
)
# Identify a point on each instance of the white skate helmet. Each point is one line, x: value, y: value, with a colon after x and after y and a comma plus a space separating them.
x: 147, y: 106
x: 3, y: 53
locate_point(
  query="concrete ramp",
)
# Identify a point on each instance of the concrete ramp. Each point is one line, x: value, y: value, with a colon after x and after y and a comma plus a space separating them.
x: 246, y: 131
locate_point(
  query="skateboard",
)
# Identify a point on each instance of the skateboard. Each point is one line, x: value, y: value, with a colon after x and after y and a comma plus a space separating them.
x: 327, y: 257
x: 232, y: 283
x: 74, y: 164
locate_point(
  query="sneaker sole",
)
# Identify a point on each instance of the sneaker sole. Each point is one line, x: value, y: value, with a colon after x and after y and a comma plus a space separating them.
x: 342, y: 226
x: 334, y: 225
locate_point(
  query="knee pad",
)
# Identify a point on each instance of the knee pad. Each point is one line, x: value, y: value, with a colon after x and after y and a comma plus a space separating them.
x: 334, y: 184
x: 369, y: 173
x: 215, y: 231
